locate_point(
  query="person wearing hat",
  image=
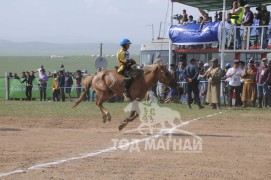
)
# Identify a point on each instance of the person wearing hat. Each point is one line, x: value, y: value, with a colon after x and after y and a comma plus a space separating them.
x: 214, y: 75
x: 261, y: 88
x: 191, y: 74
x: 124, y: 60
x: 264, y: 18
x: 249, y: 88
x: 267, y: 82
x: 234, y: 78
x: 248, y: 21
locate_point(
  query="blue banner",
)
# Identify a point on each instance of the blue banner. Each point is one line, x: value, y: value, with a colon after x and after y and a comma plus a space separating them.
x: 192, y: 34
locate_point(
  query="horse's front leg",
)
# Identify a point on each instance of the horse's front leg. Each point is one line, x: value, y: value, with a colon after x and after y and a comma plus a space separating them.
x: 132, y: 116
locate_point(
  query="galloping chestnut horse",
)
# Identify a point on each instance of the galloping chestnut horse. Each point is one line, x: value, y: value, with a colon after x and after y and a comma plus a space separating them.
x: 108, y: 83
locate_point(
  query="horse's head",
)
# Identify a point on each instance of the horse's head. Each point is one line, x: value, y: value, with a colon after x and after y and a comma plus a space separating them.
x: 164, y: 76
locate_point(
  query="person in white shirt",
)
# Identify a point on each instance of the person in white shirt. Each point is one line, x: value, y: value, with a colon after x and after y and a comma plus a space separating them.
x: 234, y: 79
x: 39, y: 70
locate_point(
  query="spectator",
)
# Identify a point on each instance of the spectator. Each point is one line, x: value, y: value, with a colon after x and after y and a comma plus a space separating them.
x: 16, y: 76
x: 181, y: 79
x: 181, y: 71
x: 200, y: 20
x: 78, y: 80
x: 234, y: 78
x: 249, y: 89
x: 237, y: 15
x: 184, y: 17
x: 264, y: 18
x: 32, y: 74
x: 242, y: 80
x: 56, y: 91
x: 267, y: 82
x: 203, y: 85
x: 206, y: 18
x: 28, y: 86
x: 39, y: 70
x: 261, y: 88
x: 10, y: 75
x: 49, y: 74
x: 68, y: 85
x: 247, y: 22
x: 226, y: 83
x: 23, y: 74
x: 200, y: 67
x: 160, y: 91
x: 190, y: 20
x: 61, y: 84
x: 191, y: 76
x: 62, y: 68
x: 206, y: 67
x: 256, y: 64
x: 43, y: 84
x: 214, y: 75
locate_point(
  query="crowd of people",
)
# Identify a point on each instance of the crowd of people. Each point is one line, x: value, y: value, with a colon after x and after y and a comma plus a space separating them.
x: 201, y: 83
x: 239, y: 16
x: 62, y: 83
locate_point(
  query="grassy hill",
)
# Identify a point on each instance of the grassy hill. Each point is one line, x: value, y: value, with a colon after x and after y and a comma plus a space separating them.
x: 17, y: 64
x: 9, y: 48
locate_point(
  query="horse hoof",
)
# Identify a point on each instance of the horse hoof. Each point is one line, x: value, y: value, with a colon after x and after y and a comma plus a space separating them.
x: 108, y: 118
x: 104, y: 119
x: 122, y: 126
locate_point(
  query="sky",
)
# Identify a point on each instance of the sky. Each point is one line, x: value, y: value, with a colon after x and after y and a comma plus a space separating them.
x: 82, y: 21
x: 85, y: 21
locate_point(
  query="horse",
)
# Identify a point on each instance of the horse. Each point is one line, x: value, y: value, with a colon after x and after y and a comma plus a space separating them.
x: 108, y: 83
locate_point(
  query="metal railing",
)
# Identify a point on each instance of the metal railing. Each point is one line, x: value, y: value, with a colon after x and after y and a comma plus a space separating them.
x: 245, y: 38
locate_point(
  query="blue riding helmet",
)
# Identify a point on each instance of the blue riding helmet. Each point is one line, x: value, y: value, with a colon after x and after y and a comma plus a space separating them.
x: 125, y: 41
x: 228, y: 65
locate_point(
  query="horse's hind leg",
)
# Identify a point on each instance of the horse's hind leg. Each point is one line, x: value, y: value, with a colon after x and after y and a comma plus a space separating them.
x: 99, y: 102
x: 106, y: 115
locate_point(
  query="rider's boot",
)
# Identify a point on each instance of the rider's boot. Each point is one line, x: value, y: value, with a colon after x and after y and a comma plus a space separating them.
x: 126, y: 93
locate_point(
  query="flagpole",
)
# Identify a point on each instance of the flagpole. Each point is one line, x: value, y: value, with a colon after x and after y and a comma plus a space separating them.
x: 170, y: 59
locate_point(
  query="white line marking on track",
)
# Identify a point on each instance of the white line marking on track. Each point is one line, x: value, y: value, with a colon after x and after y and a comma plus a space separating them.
x: 98, y: 152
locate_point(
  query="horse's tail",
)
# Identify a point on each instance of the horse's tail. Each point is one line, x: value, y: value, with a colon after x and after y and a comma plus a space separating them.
x: 87, y: 84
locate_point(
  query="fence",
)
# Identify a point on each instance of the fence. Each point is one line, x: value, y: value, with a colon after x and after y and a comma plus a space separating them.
x: 16, y: 89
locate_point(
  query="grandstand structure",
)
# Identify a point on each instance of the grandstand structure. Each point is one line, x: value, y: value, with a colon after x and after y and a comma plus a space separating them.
x: 225, y: 51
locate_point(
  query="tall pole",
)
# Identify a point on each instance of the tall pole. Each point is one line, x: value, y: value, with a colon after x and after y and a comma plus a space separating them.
x: 152, y: 32
x: 223, y: 40
x: 101, y: 49
x: 170, y: 58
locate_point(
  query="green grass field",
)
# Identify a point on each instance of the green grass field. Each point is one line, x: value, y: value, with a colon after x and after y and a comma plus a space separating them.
x: 91, y: 111
x: 18, y: 64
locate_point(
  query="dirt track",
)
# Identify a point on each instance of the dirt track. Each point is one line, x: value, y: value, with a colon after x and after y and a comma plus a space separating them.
x: 236, y: 145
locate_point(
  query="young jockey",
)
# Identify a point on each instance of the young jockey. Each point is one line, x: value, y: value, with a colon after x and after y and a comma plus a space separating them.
x: 124, y: 60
